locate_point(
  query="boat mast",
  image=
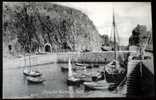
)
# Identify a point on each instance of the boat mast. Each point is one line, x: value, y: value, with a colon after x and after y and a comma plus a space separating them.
x: 24, y: 57
x: 30, y: 55
x: 114, y: 36
x: 69, y: 68
x: 29, y: 37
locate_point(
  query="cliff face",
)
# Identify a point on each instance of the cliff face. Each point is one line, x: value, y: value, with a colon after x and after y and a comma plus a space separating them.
x: 40, y: 23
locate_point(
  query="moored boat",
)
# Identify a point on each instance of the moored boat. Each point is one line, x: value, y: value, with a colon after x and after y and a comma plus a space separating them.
x: 114, y: 72
x: 65, y: 68
x: 79, y: 64
x: 29, y: 72
x: 99, y: 85
x: 96, y: 65
x: 71, y: 80
x: 35, y: 80
x: 32, y: 73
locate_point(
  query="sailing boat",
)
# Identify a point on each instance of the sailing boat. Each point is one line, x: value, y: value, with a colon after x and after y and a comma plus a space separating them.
x: 33, y: 76
x: 71, y: 80
x: 98, y: 85
x: 113, y: 70
x: 30, y: 72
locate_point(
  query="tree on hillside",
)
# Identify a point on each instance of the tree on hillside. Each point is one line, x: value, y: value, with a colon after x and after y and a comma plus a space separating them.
x: 105, y: 41
x: 25, y: 22
x: 25, y: 28
x: 139, y: 35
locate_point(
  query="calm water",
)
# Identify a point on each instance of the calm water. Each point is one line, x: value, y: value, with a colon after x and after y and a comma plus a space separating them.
x: 15, y: 84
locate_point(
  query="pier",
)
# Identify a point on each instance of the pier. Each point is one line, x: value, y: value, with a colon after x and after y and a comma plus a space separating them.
x: 140, y: 77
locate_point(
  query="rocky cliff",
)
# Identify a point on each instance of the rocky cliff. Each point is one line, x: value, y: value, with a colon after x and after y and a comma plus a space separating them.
x: 31, y: 25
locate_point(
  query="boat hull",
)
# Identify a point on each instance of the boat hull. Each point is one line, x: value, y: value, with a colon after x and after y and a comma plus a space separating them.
x: 31, y: 73
x: 65, y: 69
x: 114, y: 78
x: 79, y: 64
x: 73, y: 82
x: 35, y: 80
x: 101, y: 85
x: 95, y: 88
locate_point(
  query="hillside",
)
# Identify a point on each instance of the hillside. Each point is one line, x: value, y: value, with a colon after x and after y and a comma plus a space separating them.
x: 139, y: 37
x: 64, y: 28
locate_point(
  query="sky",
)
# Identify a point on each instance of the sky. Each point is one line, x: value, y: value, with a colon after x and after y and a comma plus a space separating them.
x: 127, y: 16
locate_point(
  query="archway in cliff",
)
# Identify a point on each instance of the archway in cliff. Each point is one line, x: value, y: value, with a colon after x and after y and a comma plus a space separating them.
x: 47, y: 47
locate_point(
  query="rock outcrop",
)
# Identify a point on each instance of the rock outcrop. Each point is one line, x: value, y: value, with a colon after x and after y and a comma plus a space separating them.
x: 63, y: 27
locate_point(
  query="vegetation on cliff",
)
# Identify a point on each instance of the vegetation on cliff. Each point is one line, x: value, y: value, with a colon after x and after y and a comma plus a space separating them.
x: 31, y: 25
x: 140, y: 35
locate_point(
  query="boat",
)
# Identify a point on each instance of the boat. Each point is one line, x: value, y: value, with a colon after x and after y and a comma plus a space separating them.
x: 89, y: 66
x: 71, y: 80
x: 28, y: 71
x: 99, y: 85
x: 96, y: 65
x: 106, y: 48
x: 32, y: 73
x: 87, y: 76
x: 115, y: 76
x: 65, y: 68
x: 83, y: 77
x: 79, y: 64
x: 99, y: 82
x: 35, y: 80
x: 114, y: 70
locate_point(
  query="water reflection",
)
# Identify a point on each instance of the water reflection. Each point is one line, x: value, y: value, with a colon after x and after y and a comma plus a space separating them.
x: 16, y: 85
x: 71, y: 91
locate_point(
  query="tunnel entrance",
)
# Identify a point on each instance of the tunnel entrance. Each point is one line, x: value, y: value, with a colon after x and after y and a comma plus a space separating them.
x: 9, y: 47
x: 47, y: 47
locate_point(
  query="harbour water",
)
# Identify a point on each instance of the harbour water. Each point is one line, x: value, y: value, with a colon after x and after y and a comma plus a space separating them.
x: 16, y: 86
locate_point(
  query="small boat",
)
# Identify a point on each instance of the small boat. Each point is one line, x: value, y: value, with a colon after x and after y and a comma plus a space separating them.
x: 83, y: 77
x: 90, y: 76
x: 65, y: 68
x: 71, y: 80
x: 106, y: 48
x: 99, y: 82
x: 98, y: 76
x: 99, y: 85
x: 79, y: 64
x: 88, y: 66
x: 35, y: 80
x: 32, y: 73
x: 96, y: 65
